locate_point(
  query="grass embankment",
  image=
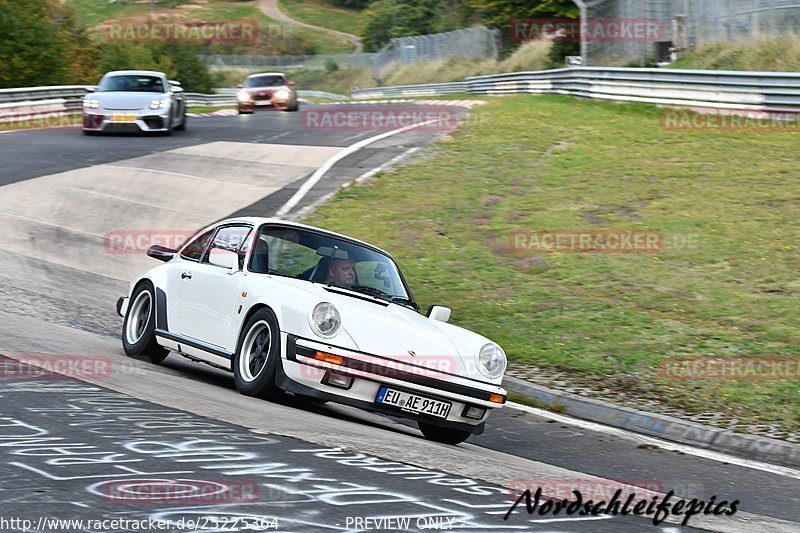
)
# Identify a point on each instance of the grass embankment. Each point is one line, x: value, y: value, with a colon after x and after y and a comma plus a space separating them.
x: 322, y: 14
x: 532, y: 56
x: 771, y: 55
x: 559, y: 163
x: 285, y: 39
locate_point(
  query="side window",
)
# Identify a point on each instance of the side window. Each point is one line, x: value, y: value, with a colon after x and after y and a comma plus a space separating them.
x: 229, y: 239
x: 194, y: 250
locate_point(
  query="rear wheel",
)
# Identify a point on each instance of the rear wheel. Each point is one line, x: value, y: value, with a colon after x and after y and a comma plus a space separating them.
x: 443, y: 435
x: 257, y: 352
x: 138, y: 328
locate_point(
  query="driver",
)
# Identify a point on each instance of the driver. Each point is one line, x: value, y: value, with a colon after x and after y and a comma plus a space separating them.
x: 341, y: 272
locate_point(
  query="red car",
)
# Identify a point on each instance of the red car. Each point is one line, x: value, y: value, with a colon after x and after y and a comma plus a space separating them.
x: 268, y: 90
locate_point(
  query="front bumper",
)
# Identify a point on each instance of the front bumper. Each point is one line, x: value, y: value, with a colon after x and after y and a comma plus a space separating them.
x: 147, y: 120
x: 303, y: 374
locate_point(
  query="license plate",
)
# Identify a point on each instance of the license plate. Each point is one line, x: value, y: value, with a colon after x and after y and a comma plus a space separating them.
x: 123, y: 118
x: 262, y: 102
x: 413, y: 403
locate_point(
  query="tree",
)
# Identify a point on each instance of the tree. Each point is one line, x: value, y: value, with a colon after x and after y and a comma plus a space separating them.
x: 386, y: 19
x: 42, y: 44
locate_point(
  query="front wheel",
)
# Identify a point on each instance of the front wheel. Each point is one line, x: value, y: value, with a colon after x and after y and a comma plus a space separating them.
x: 257, y: 352
x: 182, y: 126
x: 138, y: 328
x: 443, y: 435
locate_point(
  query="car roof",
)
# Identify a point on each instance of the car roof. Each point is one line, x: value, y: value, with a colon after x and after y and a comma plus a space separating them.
x: 257, y: 221
x: 136, y: 73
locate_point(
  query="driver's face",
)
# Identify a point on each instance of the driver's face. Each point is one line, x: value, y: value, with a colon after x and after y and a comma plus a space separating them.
x: 342, y: 272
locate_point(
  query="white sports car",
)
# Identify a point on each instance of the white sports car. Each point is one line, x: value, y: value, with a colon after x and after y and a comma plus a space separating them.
x: 134, y: 100
x: 290, y: 307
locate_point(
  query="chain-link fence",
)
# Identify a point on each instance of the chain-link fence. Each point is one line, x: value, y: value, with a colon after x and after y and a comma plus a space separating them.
x: 681, y: 25
x: 471, y: 43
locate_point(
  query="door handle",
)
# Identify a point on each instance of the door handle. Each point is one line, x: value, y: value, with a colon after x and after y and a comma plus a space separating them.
x: 185, y: 275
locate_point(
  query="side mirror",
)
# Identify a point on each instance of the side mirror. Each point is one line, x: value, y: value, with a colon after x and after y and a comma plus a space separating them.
x: 239, y: 85
x: 289, y: 83
x: 224, y: 258
x: 176, y: 89
x: 90, y: 88
x: 162, y: 253
x: 438, y: 312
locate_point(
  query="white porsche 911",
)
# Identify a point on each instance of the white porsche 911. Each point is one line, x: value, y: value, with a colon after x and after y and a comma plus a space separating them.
x: 290, y: 307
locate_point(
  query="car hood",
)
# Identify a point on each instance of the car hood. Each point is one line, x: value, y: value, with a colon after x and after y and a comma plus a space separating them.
x: 389, y: 331
x: 123, y: 100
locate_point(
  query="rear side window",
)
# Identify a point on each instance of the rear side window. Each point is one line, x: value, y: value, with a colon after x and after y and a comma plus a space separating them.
x: 194, y: 250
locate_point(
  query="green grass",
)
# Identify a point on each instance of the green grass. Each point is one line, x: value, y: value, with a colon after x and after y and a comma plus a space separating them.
x: 208, y: 109
x: 554, y: 163
x: 323, y: 14
x: 276, y: 38
x: 771, y: 55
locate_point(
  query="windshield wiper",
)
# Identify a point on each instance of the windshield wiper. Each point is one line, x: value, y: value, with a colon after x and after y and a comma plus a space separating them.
x: 372, y: 291
x: 366, y: 289
x: 405, y: 301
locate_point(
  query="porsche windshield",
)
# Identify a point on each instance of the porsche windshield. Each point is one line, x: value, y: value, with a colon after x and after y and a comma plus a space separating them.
x: 319, y: 258
x: 131, y: 83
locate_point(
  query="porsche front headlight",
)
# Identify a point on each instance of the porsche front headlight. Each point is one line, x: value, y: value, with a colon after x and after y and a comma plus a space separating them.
x: 491, y: 361
x: 325, y: 320
x: 160, y: 103
x: 91, y: 103
x: 282, y: 94
x: 243, y: 96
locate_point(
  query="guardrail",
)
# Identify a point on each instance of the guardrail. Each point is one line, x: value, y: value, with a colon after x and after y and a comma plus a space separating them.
x: 30, y: 102
x: 696, y: 88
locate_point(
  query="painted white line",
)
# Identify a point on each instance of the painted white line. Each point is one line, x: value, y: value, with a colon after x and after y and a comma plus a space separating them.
x: 321, y: 171
x: 278, y: 136
x: 665, y: 445
x: 392, y: 161
x: 366, y: 175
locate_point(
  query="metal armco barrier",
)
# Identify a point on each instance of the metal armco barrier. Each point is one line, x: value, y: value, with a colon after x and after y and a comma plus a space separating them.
x: 695, y: 88
x: 33, y: 101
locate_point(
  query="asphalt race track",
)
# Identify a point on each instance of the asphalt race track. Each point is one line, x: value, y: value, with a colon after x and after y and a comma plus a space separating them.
x: 89, y: 449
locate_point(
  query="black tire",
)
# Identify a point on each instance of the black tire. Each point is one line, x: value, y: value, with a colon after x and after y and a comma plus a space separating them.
x: 138, y: 338
x: 244, y: 112
x: 255, y: 363
x: 182, y: 127
x: 89, y: 132
x: 443, y: 435
x: 295, y: 107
